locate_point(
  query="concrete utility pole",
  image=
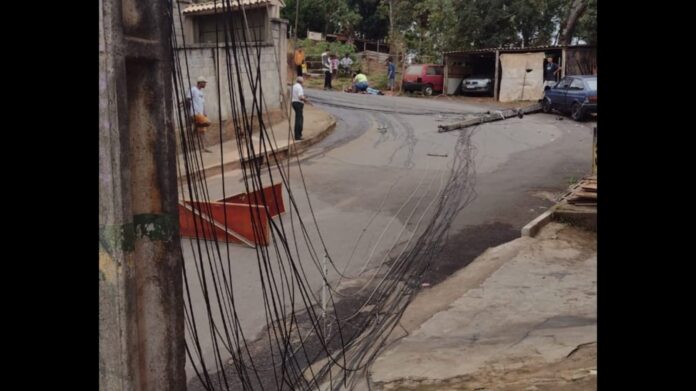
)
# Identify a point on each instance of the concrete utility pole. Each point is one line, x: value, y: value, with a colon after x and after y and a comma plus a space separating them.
x: 141, y: 311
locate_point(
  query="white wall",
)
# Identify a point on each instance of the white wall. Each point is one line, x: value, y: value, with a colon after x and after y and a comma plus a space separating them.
x: 201, y: 60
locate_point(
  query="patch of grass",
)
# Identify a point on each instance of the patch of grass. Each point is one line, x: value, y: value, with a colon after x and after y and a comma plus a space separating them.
x: 317, y: 81
x: 376, y: 80
x: 571, y: 180
x: 316, y: 48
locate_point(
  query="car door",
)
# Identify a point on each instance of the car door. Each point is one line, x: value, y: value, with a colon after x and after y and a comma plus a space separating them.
x: 438, y: 78
x: 429, y: 77
x: 560, y: 91
x: 556, y: 94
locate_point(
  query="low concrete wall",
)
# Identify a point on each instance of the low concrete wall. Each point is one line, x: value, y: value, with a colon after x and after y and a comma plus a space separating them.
x: 205, y: 60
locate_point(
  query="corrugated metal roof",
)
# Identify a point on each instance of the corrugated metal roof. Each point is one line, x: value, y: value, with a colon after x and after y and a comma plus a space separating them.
x: 210, y: 6
x: 513, y: 50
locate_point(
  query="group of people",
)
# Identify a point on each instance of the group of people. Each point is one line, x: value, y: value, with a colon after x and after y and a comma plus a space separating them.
x: 360, y: 83
x: 331, y: 66
x: 195, y: 102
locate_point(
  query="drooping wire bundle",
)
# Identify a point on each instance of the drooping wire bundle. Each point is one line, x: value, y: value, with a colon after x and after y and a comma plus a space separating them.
x: 309, y: 342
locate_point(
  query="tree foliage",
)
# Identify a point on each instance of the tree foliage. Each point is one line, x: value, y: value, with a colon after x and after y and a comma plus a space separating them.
x: 326, y: 16
x: 316, y: 48
x: 430, y: 27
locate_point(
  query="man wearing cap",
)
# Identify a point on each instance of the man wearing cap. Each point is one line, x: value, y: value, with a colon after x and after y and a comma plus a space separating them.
x: 298, y: 101
x: 197, y: 103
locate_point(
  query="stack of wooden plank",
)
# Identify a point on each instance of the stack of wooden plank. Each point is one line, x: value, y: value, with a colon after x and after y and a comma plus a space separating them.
x: 584, y: 193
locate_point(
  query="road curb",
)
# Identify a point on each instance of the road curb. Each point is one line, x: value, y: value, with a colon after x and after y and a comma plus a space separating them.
x: 532, y: 228
x: 281, y: 153
x: 305, y: 144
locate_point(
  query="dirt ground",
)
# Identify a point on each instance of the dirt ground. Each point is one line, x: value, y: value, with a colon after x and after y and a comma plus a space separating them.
x: 576, y: 372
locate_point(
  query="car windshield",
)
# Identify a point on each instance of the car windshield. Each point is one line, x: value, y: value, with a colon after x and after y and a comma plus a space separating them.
x: 592, y: 83
x: 414, y: 70
x: 479, y: 77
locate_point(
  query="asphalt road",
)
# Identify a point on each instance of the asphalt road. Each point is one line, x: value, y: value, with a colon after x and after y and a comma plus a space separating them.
x: 372, y: 186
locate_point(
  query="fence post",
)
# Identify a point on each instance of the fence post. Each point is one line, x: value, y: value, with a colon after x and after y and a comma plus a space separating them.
x: 594, y: 151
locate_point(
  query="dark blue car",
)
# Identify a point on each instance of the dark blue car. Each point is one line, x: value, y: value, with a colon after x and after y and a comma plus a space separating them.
x: 576, y: 95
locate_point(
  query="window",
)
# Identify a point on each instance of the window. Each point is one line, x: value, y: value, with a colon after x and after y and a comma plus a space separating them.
x: 257, y: 21
x: 435, y: 71
x: 564, y: 83
x: 576, y: 84
x: 592, y: 83
x: 414, y: 70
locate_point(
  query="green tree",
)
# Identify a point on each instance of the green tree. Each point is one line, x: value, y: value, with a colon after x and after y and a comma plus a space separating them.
x: 430, y: 27
x: 326, y: 16
x: 375, y: 21
x: 485, y: 23
x: 587, y: 25
x: 343, y: 17
x: 534, y: 21
x: 574, y: 12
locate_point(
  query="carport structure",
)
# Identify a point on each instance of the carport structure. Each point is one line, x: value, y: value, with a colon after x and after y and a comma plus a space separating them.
x: 518, y: 72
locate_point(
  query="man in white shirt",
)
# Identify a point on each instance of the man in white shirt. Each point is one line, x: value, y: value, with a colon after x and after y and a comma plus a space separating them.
x: 196, y: 101
x: 298, y: 101
x: 197, y: 98
x: 346, y: 64
x: 326, y: 65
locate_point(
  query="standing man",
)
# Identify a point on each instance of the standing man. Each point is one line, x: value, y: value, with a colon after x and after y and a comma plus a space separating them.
x: 298, y: 101
x: 347, y: 64
x: 550, y: 71
x: 391, y: 73
x: 326, y: 65
x: 299, y: 60
x: 334, y: 66
x: 196, y: 101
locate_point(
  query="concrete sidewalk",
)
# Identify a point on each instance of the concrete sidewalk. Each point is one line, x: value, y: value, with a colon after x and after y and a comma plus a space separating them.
x: 522, y: 316
x: 317, y: 125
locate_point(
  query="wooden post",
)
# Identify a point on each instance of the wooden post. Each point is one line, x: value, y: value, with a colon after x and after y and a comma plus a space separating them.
x: 497, y: 69
x: 563, y: 62
x: 403, y: 68
x: 594, y: 151
x: 446, y: 83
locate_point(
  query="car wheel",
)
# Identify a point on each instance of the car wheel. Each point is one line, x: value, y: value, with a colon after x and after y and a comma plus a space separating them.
x: 576, y: 112
x: 546, y: 105
x: 428, y: 90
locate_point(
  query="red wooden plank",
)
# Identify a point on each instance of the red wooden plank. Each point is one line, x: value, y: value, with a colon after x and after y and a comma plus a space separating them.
x: 272, y: 195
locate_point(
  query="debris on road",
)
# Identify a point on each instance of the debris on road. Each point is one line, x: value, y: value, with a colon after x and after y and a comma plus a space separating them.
x: 584, y: 193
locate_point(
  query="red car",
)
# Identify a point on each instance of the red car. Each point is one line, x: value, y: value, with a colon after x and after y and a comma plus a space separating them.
x: 424, y: 77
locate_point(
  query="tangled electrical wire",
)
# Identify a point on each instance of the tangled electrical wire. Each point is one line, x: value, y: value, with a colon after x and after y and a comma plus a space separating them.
x: 309, y: 342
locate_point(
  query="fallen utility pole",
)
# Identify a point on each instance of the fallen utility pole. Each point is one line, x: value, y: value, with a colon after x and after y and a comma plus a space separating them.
x: 490, y: 117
